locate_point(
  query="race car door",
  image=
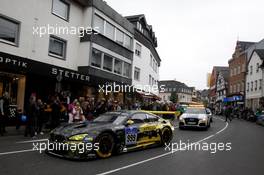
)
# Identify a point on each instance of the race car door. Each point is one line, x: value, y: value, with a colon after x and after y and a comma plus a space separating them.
x: 141, y: 132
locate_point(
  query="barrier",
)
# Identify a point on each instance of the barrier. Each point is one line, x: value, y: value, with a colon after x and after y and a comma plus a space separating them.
x: 175, y: 113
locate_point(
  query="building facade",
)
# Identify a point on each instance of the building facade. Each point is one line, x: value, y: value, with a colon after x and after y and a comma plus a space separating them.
x: 237, y: 77
x: 44, y: 50
x: 213, y: 82
x: 221, y: 89
x: 183, y: 92
x: 254, y: 80
x: 146, y: 60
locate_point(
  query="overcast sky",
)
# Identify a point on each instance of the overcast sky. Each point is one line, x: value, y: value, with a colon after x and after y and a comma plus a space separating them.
x: 195, y: 35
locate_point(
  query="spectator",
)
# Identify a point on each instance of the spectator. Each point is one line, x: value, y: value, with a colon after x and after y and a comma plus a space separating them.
x: 40, y: 116
x: 76, y: 114
x: 31, y: 116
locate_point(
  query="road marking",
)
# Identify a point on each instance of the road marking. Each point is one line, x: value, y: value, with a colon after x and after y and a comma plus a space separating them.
x: 157, y: 157
x: 15, y: 152
x: 222, y: 129
x: 33, y: 141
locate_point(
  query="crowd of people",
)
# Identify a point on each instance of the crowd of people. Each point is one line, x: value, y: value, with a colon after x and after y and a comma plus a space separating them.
x: 42, y: 114
x: 240, y: 112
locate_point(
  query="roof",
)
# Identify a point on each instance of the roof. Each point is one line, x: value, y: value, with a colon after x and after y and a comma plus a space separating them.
x: 218, y: 69
x: 260, y: 53
x: 244, y: 45
x: 173, y: 83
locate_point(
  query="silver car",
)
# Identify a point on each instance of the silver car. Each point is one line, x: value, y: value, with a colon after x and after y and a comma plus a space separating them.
x: 195, y: 117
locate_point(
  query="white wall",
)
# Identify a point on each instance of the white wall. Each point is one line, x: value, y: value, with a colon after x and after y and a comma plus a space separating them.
x: 38, y: 13
x: 255, y: 76
x: 143, y: 63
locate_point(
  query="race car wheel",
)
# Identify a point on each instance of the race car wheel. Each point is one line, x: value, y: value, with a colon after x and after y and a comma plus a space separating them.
x: 166, y: 135
x: 106, y: 145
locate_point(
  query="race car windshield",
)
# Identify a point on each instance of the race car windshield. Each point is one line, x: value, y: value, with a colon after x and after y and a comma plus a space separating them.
x: 110, y: 118
x: 195, y: 111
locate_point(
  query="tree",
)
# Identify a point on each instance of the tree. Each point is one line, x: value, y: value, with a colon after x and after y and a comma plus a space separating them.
x: 174, y: 97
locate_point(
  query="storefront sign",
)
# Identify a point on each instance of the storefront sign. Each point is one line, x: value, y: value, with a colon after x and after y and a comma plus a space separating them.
x: 69, y: 74
x: 13, y: 62
x: 233, y: 99
x: 16, y: 64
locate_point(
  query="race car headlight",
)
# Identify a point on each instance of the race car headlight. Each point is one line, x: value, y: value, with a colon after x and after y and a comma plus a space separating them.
x: 79, y: 137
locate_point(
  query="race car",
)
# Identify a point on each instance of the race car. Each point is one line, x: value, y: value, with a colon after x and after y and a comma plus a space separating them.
x: 112, y: 132
x: 195, y: 117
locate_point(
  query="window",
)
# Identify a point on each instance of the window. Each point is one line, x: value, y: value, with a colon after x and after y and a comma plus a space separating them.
x: 118, y: 67
x: 238, y: 87
x: 257, y: 69
x: 139, y: 118
x: 252, y: 86
x: 154, y: 82
x: 96, y: 58
x: 119, y: 37
x: 99, y: 24
x: 137, y: 73
x: 110, y: 31
x: 57, y: 47
x: 235, y: 71
x: 231, y: 89
x: 251, y: 70
x: 151, y: 118
x: 256, y: 85
x: 108, y: 63
x: 128, y: 41
x: 9, y: 31
x: 138, y: 49
x: 127, y: 70
x: 242, y: 87
x: 61, y: 9
x: 238, y: 70
x: 234, y: 89
x: 243, y: 67
x: 260, y: 84
x: 151, y: 59
x: 150, y: 80
x: 247, y: 87
x: 231, y: 72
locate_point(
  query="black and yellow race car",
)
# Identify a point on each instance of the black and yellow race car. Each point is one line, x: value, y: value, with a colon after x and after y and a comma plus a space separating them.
x: 112, y: 132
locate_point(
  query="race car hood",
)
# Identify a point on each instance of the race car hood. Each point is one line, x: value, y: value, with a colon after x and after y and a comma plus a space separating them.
x: 81, y: 128
x: 198, y: 116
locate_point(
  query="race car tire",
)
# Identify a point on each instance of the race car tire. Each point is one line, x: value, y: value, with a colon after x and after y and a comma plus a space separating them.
x: 106, y: 145
x: 166, y: 135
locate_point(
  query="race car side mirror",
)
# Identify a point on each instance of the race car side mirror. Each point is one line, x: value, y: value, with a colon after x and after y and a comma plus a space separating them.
x: 129, y: 122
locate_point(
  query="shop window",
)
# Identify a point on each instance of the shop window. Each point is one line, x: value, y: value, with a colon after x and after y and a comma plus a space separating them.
x: 61, y: 9
x: 137, y: 74
x: 118, y: 67
x: 99, y: 24
x: 119, y: 37
x: 96, y: 58
x: 57, y: 47
x: 127, y: 70
x: 9, y: 31
x: 110, y: 31
x: 108, y: 63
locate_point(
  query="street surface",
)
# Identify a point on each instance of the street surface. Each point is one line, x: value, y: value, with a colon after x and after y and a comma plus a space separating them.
x: 245, y: 157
